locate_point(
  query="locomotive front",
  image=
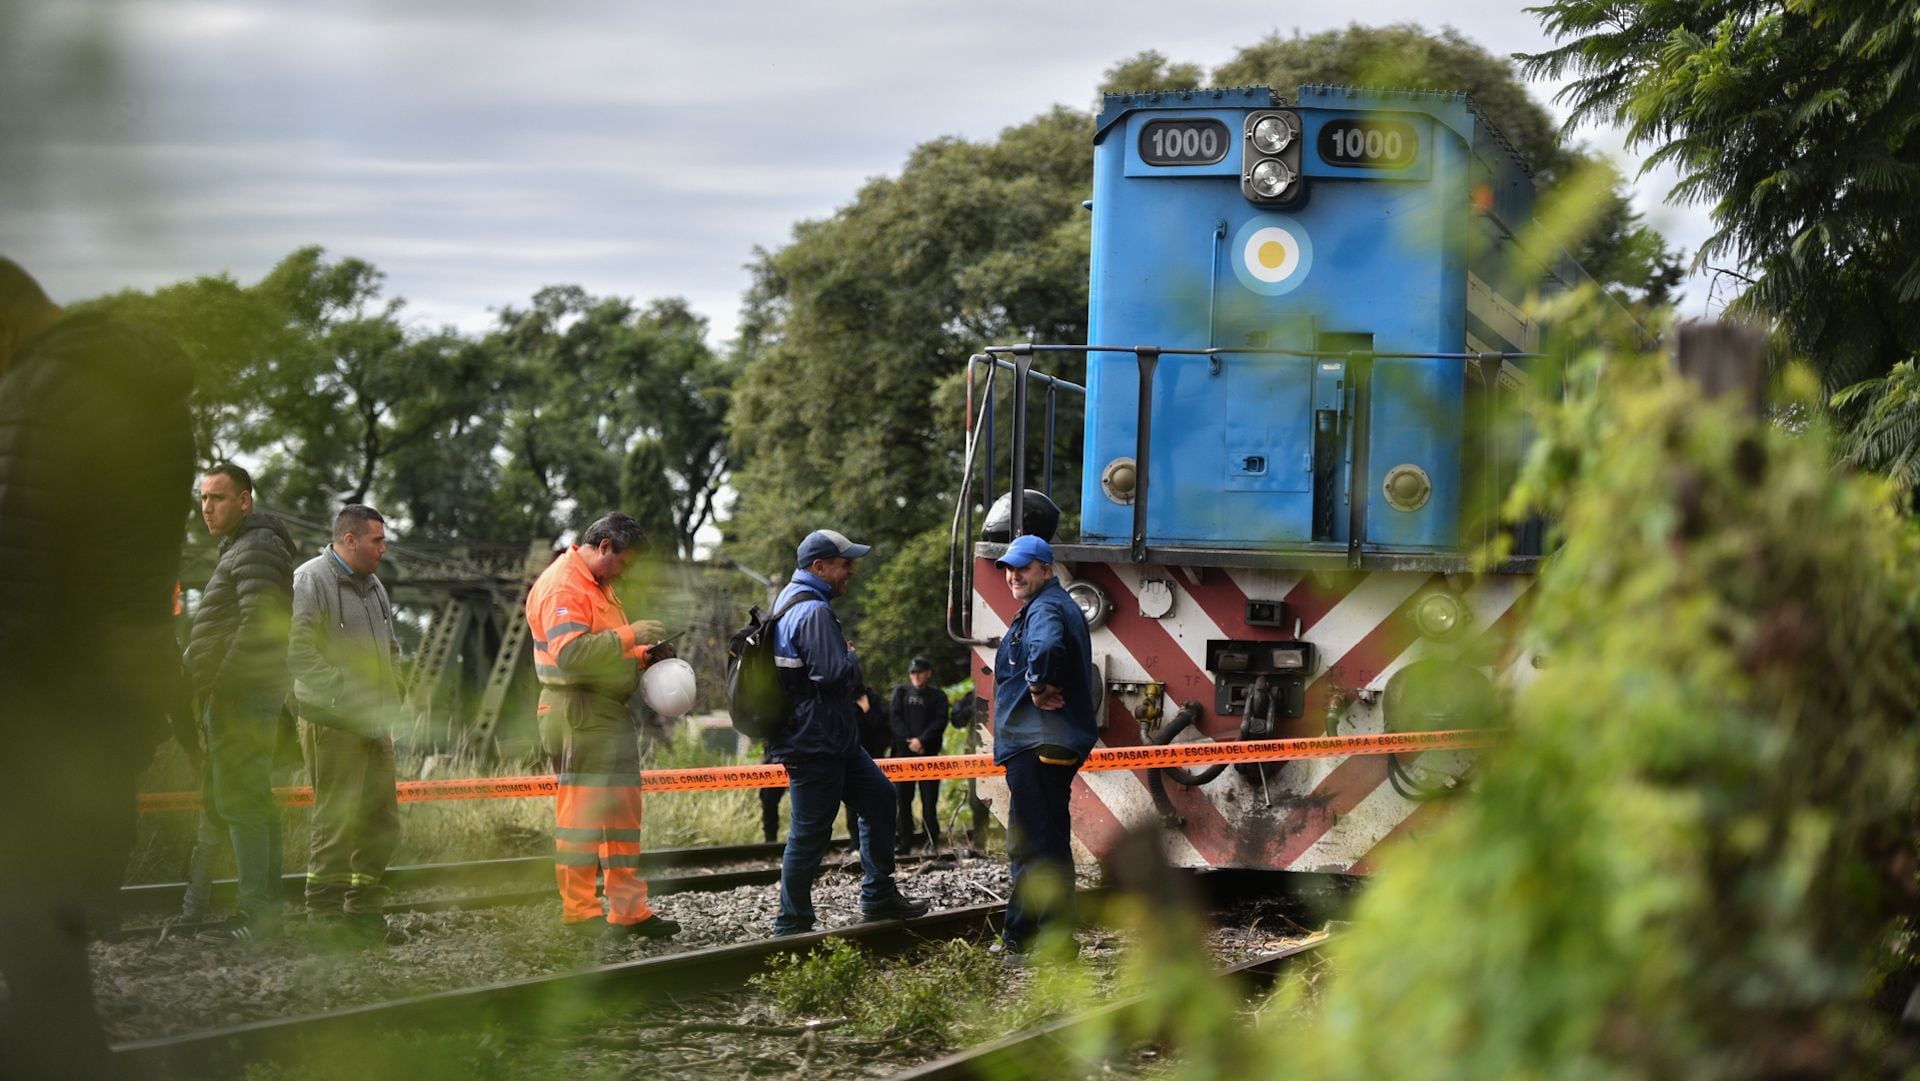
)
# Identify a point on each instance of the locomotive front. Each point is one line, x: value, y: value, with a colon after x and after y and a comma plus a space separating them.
x: 1306, y: 342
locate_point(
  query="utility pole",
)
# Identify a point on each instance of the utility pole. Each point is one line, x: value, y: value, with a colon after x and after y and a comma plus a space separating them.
x: 772, y: 587
x: 1724, y: 360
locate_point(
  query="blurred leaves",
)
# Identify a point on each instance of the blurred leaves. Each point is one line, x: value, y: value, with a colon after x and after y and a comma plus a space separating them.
x: 1695, y: 846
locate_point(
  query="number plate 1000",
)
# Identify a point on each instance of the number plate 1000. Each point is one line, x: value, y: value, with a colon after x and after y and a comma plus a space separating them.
x: 1183, y: 142
x: 1369, y: 144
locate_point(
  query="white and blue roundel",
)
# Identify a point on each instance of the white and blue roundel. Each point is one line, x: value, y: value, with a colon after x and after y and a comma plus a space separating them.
x: 1272, y: 255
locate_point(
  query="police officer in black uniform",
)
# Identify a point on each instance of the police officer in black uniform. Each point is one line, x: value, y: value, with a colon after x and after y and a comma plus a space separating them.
x: 918, y: 712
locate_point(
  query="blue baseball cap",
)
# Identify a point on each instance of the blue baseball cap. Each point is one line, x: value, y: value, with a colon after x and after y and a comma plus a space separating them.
x: 826, y: 544
x: 1025, y: 549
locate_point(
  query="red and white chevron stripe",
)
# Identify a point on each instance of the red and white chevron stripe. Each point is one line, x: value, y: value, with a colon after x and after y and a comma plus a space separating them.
x: 1325, y: 815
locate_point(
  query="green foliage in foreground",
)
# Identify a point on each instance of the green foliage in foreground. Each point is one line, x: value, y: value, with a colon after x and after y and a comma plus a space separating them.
x: 491, y: 1055
x: 1696, y: 846
x: 926, y: 998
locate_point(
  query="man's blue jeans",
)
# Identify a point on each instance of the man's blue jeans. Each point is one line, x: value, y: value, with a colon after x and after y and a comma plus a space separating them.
x: 1039, y: 846
x: 241, y: 732
x: 818, y: 787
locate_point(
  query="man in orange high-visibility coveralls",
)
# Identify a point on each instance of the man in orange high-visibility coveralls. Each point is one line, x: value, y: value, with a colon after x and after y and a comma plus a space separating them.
x: 588, y: 659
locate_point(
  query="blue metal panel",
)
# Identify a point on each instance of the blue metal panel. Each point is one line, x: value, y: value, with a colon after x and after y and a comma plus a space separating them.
x: 1182, y: 259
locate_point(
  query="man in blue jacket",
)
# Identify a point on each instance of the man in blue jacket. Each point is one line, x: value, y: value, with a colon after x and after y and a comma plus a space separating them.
x: 820, y: 745
x: 1043, y: 727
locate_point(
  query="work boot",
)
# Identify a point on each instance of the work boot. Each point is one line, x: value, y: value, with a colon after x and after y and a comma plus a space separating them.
x: 331, y: 930
x: 654, y: 926
x: 372, y: 929
x: 897, y: 907
x: 596, y: 925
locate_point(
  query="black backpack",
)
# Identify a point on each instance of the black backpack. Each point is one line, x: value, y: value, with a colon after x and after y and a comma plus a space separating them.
x: 757, y: 701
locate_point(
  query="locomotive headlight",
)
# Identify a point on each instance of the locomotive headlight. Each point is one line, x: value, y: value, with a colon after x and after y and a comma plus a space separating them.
x: 1272, y: 134
x: 1271, y: 178
x: 1271, y: 145
x: 1119, y: 480
x: 1407, y: 487
x: 1441, y: 616
x: 1092, y: 601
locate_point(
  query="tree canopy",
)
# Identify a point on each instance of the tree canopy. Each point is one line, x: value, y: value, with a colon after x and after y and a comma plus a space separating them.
x: 854, y: 326
x: 1793, y: 122
x: 568, y: 408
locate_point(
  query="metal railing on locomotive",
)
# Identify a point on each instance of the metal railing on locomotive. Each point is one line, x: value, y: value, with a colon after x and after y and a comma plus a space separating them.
x: 960, y: 568
x: 960, y: 565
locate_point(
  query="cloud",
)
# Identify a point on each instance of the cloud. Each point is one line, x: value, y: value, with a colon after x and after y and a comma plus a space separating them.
x: 476, y: 150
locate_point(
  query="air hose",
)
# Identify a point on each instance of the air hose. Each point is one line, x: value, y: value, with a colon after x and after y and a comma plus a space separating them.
x: 1156, y: 785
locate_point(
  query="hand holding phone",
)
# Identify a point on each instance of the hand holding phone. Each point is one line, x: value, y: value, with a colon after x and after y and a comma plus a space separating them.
x: 661, y: 650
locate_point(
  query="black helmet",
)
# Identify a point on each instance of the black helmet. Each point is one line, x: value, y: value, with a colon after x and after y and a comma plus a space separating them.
x: 1038, y: 515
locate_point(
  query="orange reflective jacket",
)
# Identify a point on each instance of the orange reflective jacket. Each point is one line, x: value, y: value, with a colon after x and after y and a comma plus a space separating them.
x: 581, y: 636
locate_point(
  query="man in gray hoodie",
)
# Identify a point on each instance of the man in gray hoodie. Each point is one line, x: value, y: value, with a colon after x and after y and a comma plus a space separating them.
x: 346, y: 672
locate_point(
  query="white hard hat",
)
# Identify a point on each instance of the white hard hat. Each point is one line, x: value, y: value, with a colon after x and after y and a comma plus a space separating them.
x: 669, y: 687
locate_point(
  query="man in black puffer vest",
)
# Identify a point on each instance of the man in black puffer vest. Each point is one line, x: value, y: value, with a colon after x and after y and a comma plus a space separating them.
x: 96, y: 452
x: 237, y: 655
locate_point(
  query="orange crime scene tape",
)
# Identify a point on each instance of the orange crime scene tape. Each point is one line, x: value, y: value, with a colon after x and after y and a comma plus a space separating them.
x: 931, y: 768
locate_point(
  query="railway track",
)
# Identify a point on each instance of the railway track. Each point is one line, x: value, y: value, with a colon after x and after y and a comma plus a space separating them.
x: 555, y: 1001
x: 544, y: 1010
x: 165, y: 898
x: 487, y: 883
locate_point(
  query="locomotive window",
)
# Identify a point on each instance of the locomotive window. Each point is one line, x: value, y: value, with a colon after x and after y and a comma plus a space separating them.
x: 1183, y: 142
x: 1369, y: 144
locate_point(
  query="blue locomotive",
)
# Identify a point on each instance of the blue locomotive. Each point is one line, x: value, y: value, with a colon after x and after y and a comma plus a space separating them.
x: 1308, y: 327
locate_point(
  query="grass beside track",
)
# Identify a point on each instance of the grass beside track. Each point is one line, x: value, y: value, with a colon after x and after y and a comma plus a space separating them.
x: 455, y: 830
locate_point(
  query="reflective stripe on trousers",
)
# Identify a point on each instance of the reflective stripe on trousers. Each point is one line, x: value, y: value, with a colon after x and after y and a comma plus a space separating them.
x: 597, y: 807
x: 596, y: 827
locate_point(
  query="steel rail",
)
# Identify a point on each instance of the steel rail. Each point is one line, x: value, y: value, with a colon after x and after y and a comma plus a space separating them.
x: 657, y: 886
x: 166, y: 897
x: 549, y: 1003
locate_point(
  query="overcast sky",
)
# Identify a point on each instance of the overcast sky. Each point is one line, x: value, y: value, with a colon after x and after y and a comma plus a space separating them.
x: 476, y: 151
